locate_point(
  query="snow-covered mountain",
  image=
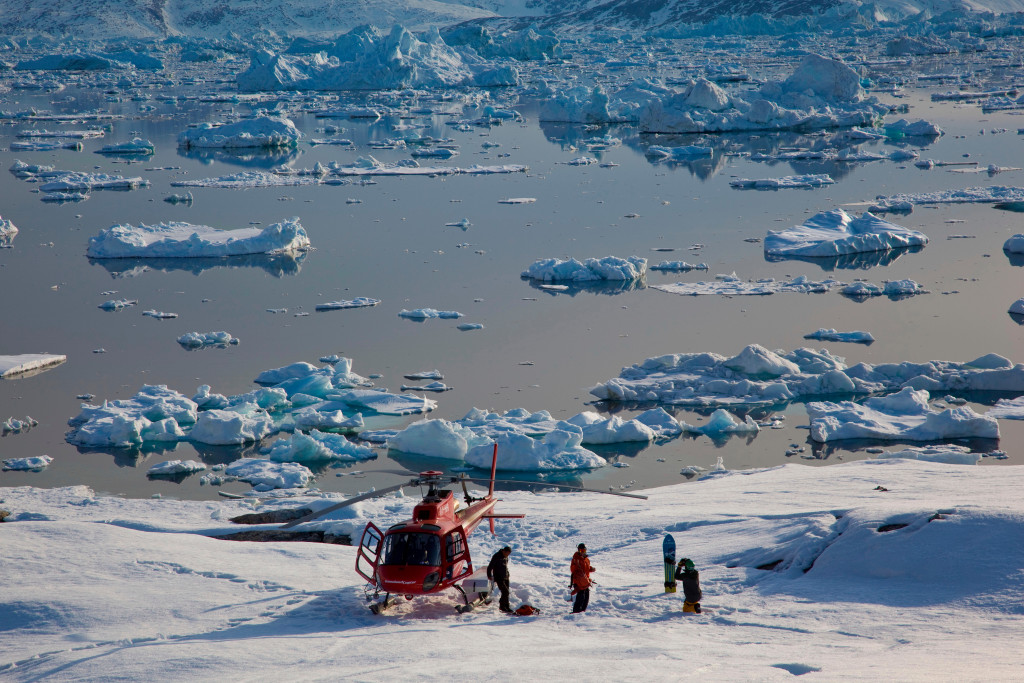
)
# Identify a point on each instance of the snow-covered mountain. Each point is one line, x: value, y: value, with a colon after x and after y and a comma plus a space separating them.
x: 112, y: 19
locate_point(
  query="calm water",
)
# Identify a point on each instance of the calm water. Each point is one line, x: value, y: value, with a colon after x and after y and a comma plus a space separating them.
x: 538, y: 350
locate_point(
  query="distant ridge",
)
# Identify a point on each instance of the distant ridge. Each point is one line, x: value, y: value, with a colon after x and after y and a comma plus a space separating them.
x: 104, y: 20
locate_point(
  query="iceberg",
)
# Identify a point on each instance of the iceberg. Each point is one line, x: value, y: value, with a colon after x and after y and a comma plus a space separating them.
x: 835, y: 232
x: 173, y: 467
x: 228, y: 427
x: 7, y: 232
x: 944, y: 453
x: 1014, y: 245
x: 366, y: 59
x: 79, y: 182
x: 992, y: 194
x: 427, y: 313
x: 134, y: 147
x: 722, y: 423
x: 261, y: 132
x: 317, y: 446
x: 36, y: 463
x: 904, y: 415
x: 358, y: 302
x: 614, y: 268
x: 834, y: 335
x: 198, y: 340
x: 22, y: 365
x: 559, y: 450
x: 268, y: 474
x: 185, y: 240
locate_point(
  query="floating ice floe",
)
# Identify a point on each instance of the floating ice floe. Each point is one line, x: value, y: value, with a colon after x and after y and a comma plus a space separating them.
x: 722, y: 423
x: 835, y: 336
x: 185, y: 240
x: 198, y: 340
x: 259, y: 132
x: 117, y: 304
x: 677, y: 153
x: 426, y: 313
x: 731, y: 285
x: 179, y: 198
x: 174, y: 467
x: 134, y: 147
x: 358, y: 302
x: 159, y: 315
x: 77, y: 134
x: 757, y: 376
x: 27, y: 464
x: 785, y: 182
x: 601, y: 430
x: 919, y: 128
x: 518, y: 200
x: 41, y: 146
x: 614, y: 268
x: 267, y: 474
x: 894, y: 289
x: 904, y: 415
x: 835, y: 232
x: 7, y: 233
x: 28, y: 363
x: 426, y: 374
x: 1017, y: 308
x: 324, y: 416
x: 437, y: 387
x: 16, y: 426
x: 1008, y: 409
x: 466, y: 327
x: 945, y: 453
x: 679, y: 266
x: 317, y: 446
x: 1014, y: 245
x: 970, y: 195
x: 79, y: 182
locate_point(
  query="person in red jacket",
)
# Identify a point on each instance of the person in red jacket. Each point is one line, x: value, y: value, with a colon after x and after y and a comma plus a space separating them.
x: 581, y: 570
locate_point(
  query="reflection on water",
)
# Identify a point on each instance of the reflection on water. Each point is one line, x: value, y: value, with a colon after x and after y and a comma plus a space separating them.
x: 859, y: 261
x: 606, y: 287
x: 248, y: 158
x: 277, y: 265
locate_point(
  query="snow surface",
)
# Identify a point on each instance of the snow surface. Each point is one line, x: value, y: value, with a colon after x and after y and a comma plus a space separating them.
x: 881, y: 569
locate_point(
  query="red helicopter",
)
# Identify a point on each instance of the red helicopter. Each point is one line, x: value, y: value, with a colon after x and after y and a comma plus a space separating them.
x: 430, y: 552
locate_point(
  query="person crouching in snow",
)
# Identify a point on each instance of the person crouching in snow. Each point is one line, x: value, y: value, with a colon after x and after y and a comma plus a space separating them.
x: 497, y: 571
x: 581, y: 570
x: 690, y: 578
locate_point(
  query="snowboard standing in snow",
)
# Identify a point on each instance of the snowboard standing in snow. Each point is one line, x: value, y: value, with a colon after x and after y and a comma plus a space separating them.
x: 669, y: 551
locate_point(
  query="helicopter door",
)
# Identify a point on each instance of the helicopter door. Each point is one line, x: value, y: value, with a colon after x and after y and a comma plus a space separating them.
x: 368, y: 555
x: 456, y: 561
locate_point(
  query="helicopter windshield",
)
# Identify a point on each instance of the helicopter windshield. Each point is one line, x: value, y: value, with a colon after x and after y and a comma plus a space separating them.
x: 412, y: 548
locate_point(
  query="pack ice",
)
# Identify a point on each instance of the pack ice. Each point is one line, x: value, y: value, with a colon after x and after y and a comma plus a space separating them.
x: 758, y: 376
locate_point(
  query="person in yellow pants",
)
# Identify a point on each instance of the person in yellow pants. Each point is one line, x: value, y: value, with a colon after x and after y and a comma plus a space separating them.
x: 690, y: 579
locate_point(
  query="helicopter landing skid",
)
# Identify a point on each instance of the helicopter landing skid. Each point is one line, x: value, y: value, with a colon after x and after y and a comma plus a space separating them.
x: 378, y: 607
x: 482, y: 598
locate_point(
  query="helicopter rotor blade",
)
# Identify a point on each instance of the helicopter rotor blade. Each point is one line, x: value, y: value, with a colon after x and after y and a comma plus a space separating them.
x: 351, y: 501
x: 560, y: 486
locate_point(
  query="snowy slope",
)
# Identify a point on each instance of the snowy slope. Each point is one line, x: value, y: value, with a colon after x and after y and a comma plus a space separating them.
x: 805, y: 570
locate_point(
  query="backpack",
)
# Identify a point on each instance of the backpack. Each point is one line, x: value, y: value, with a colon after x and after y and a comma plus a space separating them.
x: 527, y: 611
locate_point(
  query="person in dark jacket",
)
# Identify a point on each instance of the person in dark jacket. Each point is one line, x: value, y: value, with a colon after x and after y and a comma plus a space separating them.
x: 581, y: 570
x: 690, y: 578
x: 497, y: 571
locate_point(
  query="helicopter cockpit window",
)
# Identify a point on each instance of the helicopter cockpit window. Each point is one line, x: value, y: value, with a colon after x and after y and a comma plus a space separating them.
x: 412, y: 548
